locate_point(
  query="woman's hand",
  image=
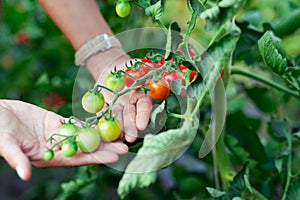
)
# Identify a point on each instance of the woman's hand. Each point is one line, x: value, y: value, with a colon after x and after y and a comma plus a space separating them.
x: 24, y: 131
x: 132, y: 109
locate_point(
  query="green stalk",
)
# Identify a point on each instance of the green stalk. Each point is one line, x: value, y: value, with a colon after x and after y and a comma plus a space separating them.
x: 235, y: 70
x: 224, y: 164
x: 289, y: 168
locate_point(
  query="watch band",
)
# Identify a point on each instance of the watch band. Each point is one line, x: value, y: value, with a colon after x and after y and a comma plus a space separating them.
x: 98, y: 44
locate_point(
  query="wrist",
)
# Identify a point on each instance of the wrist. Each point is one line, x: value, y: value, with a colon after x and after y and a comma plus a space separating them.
x: 102, y: 63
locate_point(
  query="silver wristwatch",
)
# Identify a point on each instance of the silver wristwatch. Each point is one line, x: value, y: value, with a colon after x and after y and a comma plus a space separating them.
x: 98, y: 44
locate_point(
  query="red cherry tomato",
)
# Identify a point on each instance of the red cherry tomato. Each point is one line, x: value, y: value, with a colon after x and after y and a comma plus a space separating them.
x: 184, y: 70
x: 171, y: 76
x: 139, y: 73
x: 221, y: 73
x: 159, y: 90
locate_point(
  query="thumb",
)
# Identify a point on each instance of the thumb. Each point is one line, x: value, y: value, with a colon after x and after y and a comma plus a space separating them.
x: 10, y: 150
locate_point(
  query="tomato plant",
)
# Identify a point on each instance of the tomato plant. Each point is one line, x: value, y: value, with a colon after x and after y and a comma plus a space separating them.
x: 92, y: 102
x: 131, y: 74
x: 159, y: 90
x: 109, y: 129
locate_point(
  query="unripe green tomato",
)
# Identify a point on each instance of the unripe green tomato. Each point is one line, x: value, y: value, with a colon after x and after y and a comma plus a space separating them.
x: 115, y: 82
x: 92, y: 102
x: 48, y: 155
x: 88, y: 139
x: 123, y: 8
x: 109, y: 129
x: 66, y: 130
x: 69, y: 148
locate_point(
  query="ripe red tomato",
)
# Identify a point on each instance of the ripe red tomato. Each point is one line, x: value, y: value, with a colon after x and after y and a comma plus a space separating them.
x: 139, y: 73
x: 191, y: 51
x: 184, y: 70
x: 159, y: 90
x: 154, y: 65
x: 171, y: 76
x: 222, y: 73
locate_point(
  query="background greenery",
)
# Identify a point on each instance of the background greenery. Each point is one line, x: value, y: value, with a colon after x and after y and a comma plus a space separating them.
x: 36, y: 66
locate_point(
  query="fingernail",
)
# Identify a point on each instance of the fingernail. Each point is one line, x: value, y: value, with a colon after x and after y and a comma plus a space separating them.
x: 20, y: 172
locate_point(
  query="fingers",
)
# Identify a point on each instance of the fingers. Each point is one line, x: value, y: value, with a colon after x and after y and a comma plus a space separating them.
x: 12, y: 153
x: 129, y: 116
x: 144, y: 107
x: 115, y: 147
x: 107, y: 153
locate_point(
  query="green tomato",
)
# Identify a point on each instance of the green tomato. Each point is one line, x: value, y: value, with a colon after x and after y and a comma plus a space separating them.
x: 123, y: 8
x: 69, y: 148
x: 88, y: 139
x: 115, y: 82
x: 66, y: 130
x: 48, y: 155
x: 92, y: 102
x: 109, y: 129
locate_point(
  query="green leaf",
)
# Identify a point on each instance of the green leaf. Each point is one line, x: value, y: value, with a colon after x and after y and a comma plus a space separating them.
x: 144, y: 3
x: 212, y: 62
x: 197, y: 6
x: 241, y: 181
x: 155, y: 11
x: 294, y: 189
x: 214, y: 193
x: 211, y: 13
x: 157, y: 152
x: 280, y: 128
x: 271, y: 54
x: 158, y: 119
x: 176, y: 86
x: 221, y: 13
x: 174, y: 38
x: 278, y: 164
x: 85, y: 176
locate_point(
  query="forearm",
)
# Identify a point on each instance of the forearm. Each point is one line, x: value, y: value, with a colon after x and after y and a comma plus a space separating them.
x: 80, y: 21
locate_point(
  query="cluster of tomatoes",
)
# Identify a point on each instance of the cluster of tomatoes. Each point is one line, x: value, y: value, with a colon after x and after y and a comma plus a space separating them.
x: 145, y: 76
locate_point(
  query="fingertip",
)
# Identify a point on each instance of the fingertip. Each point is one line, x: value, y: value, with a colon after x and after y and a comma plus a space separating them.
x: 130, y: 138
x: 23, y: 172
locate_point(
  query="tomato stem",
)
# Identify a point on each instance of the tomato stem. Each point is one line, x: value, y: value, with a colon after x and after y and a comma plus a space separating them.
x: 235, y: 70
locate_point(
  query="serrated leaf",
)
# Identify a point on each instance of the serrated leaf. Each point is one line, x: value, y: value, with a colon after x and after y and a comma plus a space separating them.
x: 270, y: 53
x: 212, y: 62
x: 227, y: 3
x: 155, y: 11
x: 197, y: 6
x: 158, y: 151
x: 241, y: 180
x: 211, y: 13
x: 174, y: 38
x: 214, y: 193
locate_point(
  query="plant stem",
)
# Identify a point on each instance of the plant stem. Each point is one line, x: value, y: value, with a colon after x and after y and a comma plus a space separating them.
x: 261, y: 79
x: 289, y: 168
x: 258, y: 194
